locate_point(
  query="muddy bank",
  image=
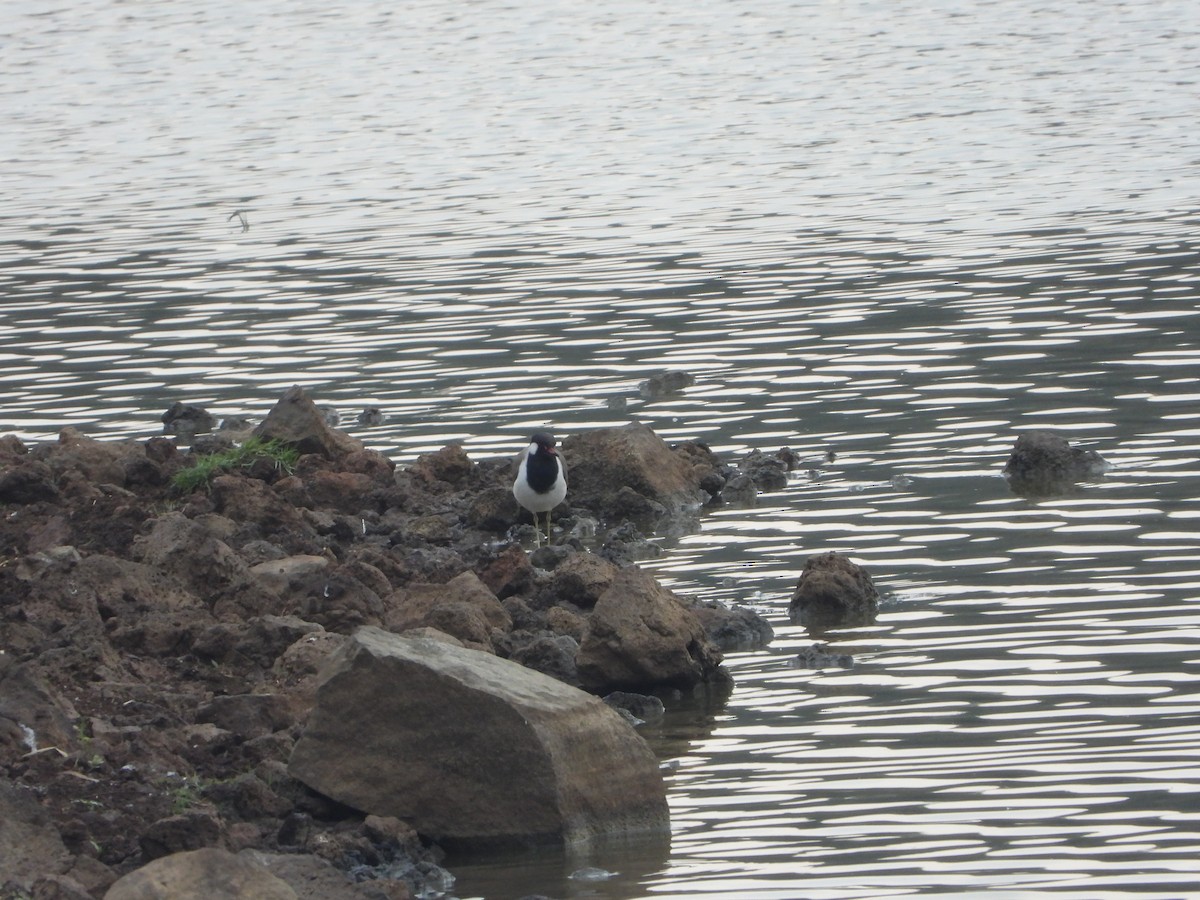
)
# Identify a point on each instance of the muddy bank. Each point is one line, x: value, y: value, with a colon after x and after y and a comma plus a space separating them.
x: 159, y: 649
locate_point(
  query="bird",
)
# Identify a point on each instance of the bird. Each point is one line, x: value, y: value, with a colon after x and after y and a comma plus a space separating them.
x: 541, y: 482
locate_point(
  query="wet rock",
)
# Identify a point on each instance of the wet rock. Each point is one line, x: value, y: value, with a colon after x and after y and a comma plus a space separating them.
x: 462, y: 607
x: 625, y: 545
x: 417, y: 729
x: 1042, y: 464
x: 642, y: 707
x: 371, y: 417
x: 186, y: 420
x: 734, y: 630
x: 834, y: 592
x: 663, y: 384
x: 210, y: 873
x: 769, y: 473
x: 740, y: 490
x: 609, y: 461
x: 640, y: 635
x: 818, y: 656
x: 296, y: 421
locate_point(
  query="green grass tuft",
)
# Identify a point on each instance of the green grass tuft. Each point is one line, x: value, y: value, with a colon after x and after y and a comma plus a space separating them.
x: 200, y: 474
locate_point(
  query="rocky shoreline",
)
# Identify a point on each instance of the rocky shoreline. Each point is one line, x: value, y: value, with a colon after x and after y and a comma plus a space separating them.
x: 159, y: 651
x: 165, y: 651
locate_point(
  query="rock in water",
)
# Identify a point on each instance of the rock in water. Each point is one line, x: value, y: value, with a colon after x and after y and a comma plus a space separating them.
x: 296, y: 421
x: 640, y: 635
x: 834, y: 592
x: 607, y: 461
x: 1043, y: 464
x: 474, y: 750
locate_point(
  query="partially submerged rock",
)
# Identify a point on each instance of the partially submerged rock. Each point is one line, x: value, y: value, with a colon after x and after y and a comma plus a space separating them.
x: 640, y: 635
x: 608, y: 466
x: 663, y: 384
x: 472, y: 749
x: 187, y: 420
x: 834, y: 592
x: 296, y: 420
x: 1043, y: 464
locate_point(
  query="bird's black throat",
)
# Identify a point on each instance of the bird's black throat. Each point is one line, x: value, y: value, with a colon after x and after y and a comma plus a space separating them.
x: 541, y: 471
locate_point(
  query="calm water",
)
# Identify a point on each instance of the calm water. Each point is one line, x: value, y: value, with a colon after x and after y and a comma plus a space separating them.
x: 902, y: 231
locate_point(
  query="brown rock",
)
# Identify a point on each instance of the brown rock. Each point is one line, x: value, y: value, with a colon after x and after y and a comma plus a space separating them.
x: 438, y: 736
x: 101, y: 462
x: 251, y: 501
x: 32, y: 711
x: 581, y: 579
x: 633, y: 457
x: 834, y: 592
x: 509, y: 573
x: 248, y: 715
x: 337, y: 600
x: 346, y: 492
x: 450, y: 464
x: 640, y: 635
x: 188, y: 551
x: 462, y: 607
x: 209, y: 873
x: 295, y: 420
x: 281, y: 576
x: 30, y: 845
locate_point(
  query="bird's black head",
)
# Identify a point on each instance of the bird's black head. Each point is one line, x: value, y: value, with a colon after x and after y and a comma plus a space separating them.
x: 544, y: 440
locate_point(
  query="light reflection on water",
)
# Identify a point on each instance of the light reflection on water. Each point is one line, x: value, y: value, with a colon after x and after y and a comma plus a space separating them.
x: 900, y: 232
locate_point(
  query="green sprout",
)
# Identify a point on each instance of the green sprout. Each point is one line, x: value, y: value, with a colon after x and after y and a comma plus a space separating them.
x: 200, y: 474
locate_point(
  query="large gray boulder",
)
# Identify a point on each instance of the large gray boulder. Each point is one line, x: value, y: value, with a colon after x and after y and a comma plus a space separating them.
x: 640, y: 636
x: 1043, y: 464
x: 473, y: 750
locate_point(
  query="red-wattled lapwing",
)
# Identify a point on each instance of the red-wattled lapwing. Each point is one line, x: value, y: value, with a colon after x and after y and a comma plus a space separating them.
x: 541, y: 479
